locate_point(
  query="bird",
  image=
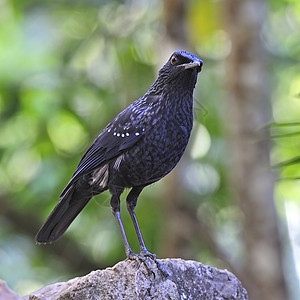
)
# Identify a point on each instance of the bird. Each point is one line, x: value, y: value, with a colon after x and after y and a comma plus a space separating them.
x: 140, y: 146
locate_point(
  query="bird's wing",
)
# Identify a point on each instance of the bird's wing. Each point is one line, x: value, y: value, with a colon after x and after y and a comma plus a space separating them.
x: 118, y: 136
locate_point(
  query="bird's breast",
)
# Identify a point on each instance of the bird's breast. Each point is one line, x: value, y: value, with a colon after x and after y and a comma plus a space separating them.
x: 156, y: 154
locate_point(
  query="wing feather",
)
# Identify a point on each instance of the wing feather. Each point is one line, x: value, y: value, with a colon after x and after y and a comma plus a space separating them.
x: 119, y: 135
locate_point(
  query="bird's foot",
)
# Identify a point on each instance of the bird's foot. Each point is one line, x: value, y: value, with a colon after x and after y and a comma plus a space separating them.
x: 143, y: 258
x: 140, y: 259
x: 146, y: 253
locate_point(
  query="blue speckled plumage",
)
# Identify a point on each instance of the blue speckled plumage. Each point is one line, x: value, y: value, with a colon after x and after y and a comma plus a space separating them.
x: 140, y: 146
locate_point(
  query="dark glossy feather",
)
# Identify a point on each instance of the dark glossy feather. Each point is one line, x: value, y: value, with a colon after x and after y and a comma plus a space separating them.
x: 140, y: 146
x: 119, y: 135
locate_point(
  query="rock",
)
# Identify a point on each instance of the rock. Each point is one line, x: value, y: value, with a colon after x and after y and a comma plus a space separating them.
x: 130, y: 280
x: 6, y: 293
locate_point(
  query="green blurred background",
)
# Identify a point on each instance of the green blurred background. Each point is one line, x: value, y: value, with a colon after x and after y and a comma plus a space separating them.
x: 67, y: 68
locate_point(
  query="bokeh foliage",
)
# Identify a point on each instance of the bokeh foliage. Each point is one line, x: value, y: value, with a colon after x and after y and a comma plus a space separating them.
x: 67, y: 68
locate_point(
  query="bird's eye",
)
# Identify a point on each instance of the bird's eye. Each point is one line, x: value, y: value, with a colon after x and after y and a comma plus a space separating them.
x: 173, y: 60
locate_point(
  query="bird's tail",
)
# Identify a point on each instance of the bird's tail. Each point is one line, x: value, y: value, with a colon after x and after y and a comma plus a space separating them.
x: 70, y: 205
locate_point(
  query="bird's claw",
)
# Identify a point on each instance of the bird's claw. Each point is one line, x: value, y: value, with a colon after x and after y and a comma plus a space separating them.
x: 158, y: 264
x: 139, y: 258
x: 142, y: 258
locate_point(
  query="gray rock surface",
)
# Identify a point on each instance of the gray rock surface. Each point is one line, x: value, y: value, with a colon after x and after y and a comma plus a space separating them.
x: 6, y: 293
x: 130, y: 280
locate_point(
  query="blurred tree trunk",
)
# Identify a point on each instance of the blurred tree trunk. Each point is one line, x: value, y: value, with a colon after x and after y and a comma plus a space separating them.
x: 175, y: 18
x: 252, y: 180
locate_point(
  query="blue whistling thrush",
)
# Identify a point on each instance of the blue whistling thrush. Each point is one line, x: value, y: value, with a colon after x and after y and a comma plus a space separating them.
x: 138, y: 147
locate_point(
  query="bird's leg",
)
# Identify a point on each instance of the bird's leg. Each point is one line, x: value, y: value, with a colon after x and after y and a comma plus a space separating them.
x: 115, y: 207
x: 131, y: 202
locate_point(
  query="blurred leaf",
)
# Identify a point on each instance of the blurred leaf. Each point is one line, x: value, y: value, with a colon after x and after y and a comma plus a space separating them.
x: 288, y: 134
x: 292, y: 161
x: 284, y: 124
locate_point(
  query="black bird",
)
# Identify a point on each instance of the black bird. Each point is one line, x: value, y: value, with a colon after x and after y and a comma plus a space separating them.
x: 139, y: 147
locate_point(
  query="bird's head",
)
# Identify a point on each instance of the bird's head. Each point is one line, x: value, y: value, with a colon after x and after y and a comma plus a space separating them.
x: 181, y: 64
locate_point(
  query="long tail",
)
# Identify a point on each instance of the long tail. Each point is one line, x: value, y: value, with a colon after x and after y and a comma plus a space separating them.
x: 71, y: 204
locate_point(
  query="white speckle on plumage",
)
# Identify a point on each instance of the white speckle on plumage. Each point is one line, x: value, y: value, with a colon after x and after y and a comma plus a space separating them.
x: 114, y: 133
x: 118, y: 134
x: 108, y: 130
x: 123, y: 135
x: 137, y: 133
x: 127, y: 134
